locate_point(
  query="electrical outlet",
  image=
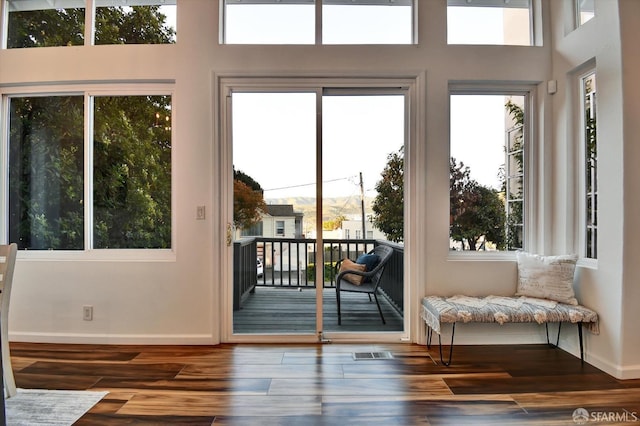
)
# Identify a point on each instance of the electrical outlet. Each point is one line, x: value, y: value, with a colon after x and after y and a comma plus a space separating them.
x: 87, y: 313
x: 200, y: 213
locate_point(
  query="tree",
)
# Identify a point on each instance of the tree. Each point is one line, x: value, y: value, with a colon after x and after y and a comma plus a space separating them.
x: 477, y: 213
x: 131, y: 173
x: 248, y: 201
x: 388, y: 206
x: 333, y: 224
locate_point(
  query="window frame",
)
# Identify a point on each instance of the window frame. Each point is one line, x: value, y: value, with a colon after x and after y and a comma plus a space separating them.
x: 530, y: 162
x: 89, y: 19
x: 585, y: 195
x: 88, y: 92
x: 534, y: 18
x: 318, y: 4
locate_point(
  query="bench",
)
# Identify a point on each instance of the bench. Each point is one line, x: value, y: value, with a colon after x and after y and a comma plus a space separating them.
x: 438, y: 310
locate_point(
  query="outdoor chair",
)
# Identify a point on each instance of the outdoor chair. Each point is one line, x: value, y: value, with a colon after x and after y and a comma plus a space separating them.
x: 7, y: 263
x: 369, y: 280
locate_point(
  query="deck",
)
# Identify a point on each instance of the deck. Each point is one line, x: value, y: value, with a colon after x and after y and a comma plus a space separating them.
x: 287, y: 310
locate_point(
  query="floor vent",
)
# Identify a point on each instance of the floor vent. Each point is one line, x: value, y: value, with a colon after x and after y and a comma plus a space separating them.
x: 362, y: 356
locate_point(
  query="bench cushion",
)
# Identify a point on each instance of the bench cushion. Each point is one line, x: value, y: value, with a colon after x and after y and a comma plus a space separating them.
x: 437, y: 310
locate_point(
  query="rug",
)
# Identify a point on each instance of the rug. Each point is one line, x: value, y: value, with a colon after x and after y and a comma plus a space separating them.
x: 49, y: 407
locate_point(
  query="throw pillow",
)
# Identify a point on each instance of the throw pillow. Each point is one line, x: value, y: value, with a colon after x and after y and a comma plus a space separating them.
x: 348, y: 265
x: 371, y: 260
x: 546, y: 277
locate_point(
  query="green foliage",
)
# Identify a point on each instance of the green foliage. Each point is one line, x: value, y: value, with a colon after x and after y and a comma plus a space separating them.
x: 132, y: 172
x: 329, y: 271
x: 133, y: 25
x: 477, y: 213
x: 46, y: 185
x: 131, y: 162
x: 44, y: 28
x: 388, y: 206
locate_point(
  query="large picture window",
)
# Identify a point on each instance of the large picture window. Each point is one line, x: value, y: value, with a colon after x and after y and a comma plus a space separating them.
x: 487, y: 172
x: 130, y: 172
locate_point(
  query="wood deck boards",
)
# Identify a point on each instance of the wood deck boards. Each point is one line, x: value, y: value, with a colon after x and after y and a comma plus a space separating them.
x: 309, y: 384
x: 287, y: 310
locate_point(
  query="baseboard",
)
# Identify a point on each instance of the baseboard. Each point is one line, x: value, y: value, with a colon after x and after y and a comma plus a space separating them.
x: 113, y: 339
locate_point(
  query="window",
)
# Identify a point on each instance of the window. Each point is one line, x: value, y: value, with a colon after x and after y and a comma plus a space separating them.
x: 492, y: 22
x: 46, y: 184
x: 132, y: 172
x: 139, y: 22
x: 269, y: 22
x: 487, y: 172
x: 130, y: 204
x: 280, y: 228
x: 37, y: 23
x: 33, y: 23
x: 589, y: 114
x: 294, y: 22
x: 585, y: 11
x: 367, y: 22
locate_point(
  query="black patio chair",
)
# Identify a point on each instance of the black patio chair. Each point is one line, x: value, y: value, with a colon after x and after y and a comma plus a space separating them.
x: 370, y: 282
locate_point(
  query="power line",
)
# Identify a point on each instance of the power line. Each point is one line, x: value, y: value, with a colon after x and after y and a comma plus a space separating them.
x: 307, y: 184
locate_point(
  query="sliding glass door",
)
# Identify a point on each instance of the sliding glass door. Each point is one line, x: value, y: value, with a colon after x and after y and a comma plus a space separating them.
x: 317, y: 176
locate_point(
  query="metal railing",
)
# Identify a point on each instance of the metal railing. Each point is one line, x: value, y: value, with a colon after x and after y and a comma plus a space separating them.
x: 290, y: 262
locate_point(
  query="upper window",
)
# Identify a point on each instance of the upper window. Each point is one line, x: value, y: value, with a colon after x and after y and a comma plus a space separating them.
x: 36, y: 23
x: 589, y: 116
x: 131, y: 172
x: 139, y: 22
x: 585, y: 11
x: 487, y: 172
x: 294, y: 22
x: 498, y: 22
x: 39, y: 23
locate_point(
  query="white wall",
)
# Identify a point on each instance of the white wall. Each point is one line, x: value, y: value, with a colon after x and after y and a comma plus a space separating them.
x: 177, y: 300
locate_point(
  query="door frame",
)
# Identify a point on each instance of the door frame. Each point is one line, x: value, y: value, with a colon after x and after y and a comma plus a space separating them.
x: 415, y: 162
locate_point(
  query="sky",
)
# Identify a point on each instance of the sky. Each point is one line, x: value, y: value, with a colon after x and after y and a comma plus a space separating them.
x: 274, y: 135
x: 274, y: 138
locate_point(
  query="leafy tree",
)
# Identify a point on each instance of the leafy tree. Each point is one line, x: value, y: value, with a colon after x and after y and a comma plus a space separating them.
x: 477, y: 213
x: 132, y: 149
x: 333, y: 224
x: 388, y: 206
x: 248, y: 200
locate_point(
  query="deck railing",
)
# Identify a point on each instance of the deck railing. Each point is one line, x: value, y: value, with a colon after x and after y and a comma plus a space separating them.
x: 290, y: 262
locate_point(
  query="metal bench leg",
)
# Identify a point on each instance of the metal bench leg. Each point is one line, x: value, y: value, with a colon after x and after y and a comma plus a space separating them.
x: 580, y: 339
x: 546, y: 325
x: 453, y: 331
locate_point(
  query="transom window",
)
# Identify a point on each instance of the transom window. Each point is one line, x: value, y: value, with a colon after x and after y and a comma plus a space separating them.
x: 487, y: 172
x: 43, y: 23
x: 294, y: 22
x: 491, y: 22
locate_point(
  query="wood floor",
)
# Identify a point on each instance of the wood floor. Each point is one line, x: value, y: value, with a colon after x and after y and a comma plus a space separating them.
x: 324, y: 385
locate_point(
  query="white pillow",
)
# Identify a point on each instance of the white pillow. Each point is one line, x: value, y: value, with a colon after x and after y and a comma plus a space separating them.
x: 546, y: 277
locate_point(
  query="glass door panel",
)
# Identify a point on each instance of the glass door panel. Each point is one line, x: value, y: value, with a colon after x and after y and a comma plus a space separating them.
x: 363, y: 137
x: 274, y: 201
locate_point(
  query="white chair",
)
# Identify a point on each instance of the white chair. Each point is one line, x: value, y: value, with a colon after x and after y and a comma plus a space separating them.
x: 7, y: 263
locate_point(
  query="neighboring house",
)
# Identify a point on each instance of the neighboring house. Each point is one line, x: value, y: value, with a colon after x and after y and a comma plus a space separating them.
x: 279, y: 221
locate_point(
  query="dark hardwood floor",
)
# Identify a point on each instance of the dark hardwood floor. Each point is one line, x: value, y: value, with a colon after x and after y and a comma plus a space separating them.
x: 323, y: 384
